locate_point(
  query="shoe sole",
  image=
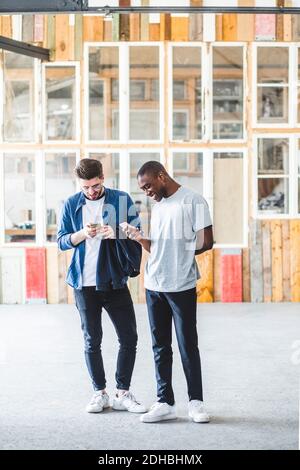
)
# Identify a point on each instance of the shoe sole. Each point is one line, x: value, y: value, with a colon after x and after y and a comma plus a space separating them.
x: 204, y: 420
x: 157, y: 420
x: 99, y: 411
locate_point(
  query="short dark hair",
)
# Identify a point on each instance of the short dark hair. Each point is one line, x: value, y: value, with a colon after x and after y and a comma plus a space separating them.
x: 88, y: 168
x: 152, y: 167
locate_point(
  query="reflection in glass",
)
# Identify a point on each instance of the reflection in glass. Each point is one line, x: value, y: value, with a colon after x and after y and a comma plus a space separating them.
x: 272, y: 65
x: 272, y: 80
x: 273, y: 195
x: 60, y: 103
x: 144, y: 99
x: 228, y: 197
x: 19, y: 116
x: 103, y: 93
x: 111, y: 168
x: 227, y: 93
x: 188, y: 170
x: 187, y: 105
x: 273, y: 156
x: 60, y: 184
x: 142, y: 202
x: 19, y: 197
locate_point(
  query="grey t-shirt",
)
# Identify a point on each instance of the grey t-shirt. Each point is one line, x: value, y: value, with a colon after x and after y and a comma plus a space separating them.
x: 171, y: 266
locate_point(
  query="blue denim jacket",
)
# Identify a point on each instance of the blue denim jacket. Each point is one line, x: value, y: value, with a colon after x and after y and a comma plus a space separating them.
x: 117, y: 258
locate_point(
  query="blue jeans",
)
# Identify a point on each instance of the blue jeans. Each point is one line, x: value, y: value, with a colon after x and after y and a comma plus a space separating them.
x: 181, y: 307
x: 119, y: 306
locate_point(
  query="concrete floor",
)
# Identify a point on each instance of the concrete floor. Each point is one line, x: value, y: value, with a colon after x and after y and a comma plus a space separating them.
x: 250, y: 382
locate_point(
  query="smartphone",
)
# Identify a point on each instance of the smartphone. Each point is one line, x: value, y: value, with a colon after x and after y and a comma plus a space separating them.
x: 96, y: 225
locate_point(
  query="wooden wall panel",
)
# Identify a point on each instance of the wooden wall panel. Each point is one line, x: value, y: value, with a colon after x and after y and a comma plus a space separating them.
x: 229, y: 27
x: 35, y: 259
x: 52, y: 274
x: 38, y: 32
x: 165, y: 27
x: 93, y: 28
x: 27, y: 28
x: 231, y: 276
x: 217, y: 275
x: 12, y: 276
x: 246, y: 275
x: 154, y: 31
x: 124, y: 22
x: 295, y: 259
x: 107, y: 29
x: 276, y: 237
x: 205, y: 285
x: 245, y: 23
x: 145, y: 23
x: 134, y: 26
x: 267, y: 260
x: 256, y: 266
x: 286, y: 262
x: 179, y: 28
x: 62, y: 38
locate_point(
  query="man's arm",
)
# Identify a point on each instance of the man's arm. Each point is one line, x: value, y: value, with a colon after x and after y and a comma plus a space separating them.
x: 205, y: 240
x: 135, y: 234
x: 66, y: 238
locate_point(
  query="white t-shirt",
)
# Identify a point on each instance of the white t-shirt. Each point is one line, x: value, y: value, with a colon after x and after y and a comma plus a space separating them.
x: 171, y: 266
x: 91, y: 212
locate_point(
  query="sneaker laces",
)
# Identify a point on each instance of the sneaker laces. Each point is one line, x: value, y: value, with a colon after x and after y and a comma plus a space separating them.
x: 196, y: 405
x: 156, y: 405
x: 130, y: 396
x: 96, y: 396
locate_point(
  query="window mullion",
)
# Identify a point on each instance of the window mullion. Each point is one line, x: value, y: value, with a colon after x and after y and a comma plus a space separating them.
x: 124, y: 117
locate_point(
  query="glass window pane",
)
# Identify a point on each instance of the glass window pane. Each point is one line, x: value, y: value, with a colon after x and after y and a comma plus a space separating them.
x: 272, y: 104
x: 187, y: 105
x: 19, y: 116
x: 103, y: 93
x: 144, y: 93
x: 188, y: 170
x: 142, y: 202
x: 273, y: 195
x: 19, y: 197
x: 60, y: 184
x: 272, y: 65
x: 228, y: 197
x: 227, y: 93
x: 273, y: 156
x: 111, y: 168
x: 60, y: 103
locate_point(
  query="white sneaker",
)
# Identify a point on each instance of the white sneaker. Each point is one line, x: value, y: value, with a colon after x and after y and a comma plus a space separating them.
x: 197, y: 412
x: 98, y: 402
x: 159, y: 412
x: 128, y: 402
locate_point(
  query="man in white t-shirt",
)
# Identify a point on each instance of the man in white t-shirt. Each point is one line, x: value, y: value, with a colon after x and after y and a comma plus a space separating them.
x: 100, y: 266
x: 180, y: 228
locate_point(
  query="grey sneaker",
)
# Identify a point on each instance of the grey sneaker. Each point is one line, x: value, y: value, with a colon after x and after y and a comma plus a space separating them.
x: 98, y: 402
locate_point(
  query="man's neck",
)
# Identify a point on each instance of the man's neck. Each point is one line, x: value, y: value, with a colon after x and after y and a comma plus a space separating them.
x: 172, y: 188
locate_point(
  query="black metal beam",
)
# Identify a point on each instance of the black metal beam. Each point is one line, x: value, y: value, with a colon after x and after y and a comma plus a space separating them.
x: 23, y: 48
x: 190, y: 9
x: 81, y: 6
x: 42, y: 6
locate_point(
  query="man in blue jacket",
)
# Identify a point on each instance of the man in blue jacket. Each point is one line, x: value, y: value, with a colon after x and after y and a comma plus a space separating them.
x: 103, y: 259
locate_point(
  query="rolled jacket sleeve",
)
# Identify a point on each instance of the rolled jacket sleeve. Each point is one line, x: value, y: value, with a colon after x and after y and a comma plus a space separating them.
x: 65, y: 229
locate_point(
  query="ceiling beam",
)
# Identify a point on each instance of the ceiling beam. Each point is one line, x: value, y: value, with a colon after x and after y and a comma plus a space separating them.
x: 82, y: 6
x: 23, y: 48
